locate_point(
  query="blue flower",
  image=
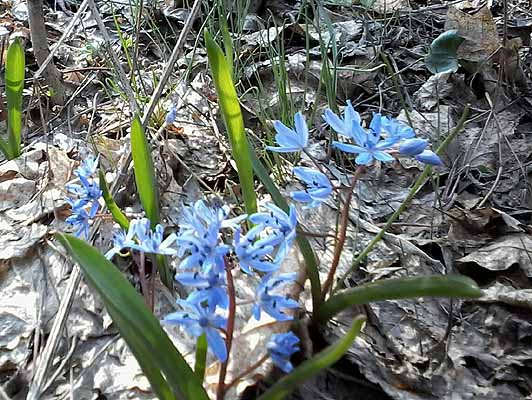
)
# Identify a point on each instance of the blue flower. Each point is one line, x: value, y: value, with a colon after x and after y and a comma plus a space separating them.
x: 140, y: 237
x: 152, y: 241
x: 170, y: 117
x: 290, y: 140
x: 88, y: 193
x: 413, y: 147
x: 201, y: 219
x: 396, y: 128
x: 201, y: 252
x: 211, y: 287
x: 274, y: 304
x: 199, y: 236
x: 84, y: 195
x: 318, y: 187
x: 87, y: 168
x: 429, y: 157
x: 284, y: 225
x: 80, y: 219
x: 281, y: 347
x: 140, y: 227
x: 197, y: 320
x: 343, y: 126
x: 277, y: 219
x: 254, y: 253
x: 121, y: 240
x: 369, y: 146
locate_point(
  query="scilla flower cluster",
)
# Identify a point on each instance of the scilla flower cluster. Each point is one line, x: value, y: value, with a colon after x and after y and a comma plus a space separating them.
x: 207, y: 257
x: 84, y: 197
x: 209, y: 245
x: 383, y: 141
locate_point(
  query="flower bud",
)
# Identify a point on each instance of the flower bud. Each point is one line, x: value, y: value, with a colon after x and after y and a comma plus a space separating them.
x: 429, y: 157
x: 413, y: 147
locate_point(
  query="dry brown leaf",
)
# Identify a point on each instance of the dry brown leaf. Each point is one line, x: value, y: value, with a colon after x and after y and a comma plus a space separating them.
x: 478, y: 30
x: 504, y: 253
x: 74, y: 77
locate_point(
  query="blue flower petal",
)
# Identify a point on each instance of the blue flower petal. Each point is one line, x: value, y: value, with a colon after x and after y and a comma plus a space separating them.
x: 301, y: 196
x: 216, y: 344
x: 301, y: 129
x: 383, y: 156
x: 349, y: 148
x: 429, y: 157
x: 290, y: 140
x: 335, y: 122
x: 280, y: 347
x: 365, y: 158
x: 413, y: 147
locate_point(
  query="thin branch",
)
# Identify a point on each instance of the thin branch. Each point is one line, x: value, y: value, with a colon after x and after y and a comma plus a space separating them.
x: 39, y: 40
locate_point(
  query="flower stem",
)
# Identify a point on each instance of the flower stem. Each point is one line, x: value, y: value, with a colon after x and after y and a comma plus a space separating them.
x: 220, y: 392
x: 344, y: 220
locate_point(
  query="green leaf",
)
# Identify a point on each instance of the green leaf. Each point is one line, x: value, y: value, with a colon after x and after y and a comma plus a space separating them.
x: 315, y: 365
x: 164, y: 270
x: 118, y: 216
x: 201, y: 357
x: 442, y: 53
x: 308, y: 254
x: 147, y: 188
x: 144, y: 172
x: 401, y: 288
x: 166, y: 369
x: 234, y: 121
x: 227, y: 41
x: 14, y: 76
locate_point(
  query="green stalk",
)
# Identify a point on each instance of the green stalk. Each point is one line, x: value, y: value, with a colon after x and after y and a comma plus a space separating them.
x: 234, y: 121
x: 118, y: 216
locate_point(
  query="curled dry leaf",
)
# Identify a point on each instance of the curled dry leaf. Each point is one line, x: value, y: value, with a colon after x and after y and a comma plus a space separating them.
x: 478, y: 30
x: 503, y: 253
